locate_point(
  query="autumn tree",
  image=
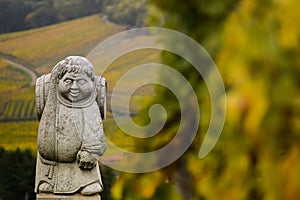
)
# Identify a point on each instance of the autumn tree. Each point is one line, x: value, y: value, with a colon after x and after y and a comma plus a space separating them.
x: 255, y: 44
x: 17, y: 172
x: 127, y: 12
x: 12, y: 14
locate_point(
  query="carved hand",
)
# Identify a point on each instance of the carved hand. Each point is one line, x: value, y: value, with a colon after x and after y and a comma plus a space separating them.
x: 86, y: 160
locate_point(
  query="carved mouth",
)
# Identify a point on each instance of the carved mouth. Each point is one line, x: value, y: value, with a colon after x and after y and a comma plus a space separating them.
x: 74, y: 94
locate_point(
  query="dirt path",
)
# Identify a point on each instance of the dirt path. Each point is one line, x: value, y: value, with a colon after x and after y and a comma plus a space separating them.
x: 32, y: 74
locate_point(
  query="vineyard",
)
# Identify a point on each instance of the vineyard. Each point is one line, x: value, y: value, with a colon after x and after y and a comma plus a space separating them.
x: 18, y: 110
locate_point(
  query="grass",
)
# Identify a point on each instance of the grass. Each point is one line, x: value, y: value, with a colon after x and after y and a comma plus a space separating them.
x: 10, y: 73
x: 18, y: 134
x: 3, y: 64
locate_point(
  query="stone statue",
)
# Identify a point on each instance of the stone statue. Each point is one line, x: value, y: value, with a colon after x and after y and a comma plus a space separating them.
x: 71, y: 104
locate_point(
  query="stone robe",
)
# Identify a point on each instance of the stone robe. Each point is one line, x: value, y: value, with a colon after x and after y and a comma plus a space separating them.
x: 65, y: 129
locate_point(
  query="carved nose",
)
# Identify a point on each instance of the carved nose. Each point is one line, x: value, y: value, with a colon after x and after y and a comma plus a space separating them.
x: 74, y: 85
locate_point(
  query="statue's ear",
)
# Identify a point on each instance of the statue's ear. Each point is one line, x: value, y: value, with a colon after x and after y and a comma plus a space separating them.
x: 101, y: 87
x: 41, y: 92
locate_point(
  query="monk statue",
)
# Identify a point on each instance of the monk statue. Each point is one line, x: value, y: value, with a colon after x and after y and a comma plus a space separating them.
x: 71, y: 104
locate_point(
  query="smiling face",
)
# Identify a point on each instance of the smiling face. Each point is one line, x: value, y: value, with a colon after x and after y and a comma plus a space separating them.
x: 75, y: 87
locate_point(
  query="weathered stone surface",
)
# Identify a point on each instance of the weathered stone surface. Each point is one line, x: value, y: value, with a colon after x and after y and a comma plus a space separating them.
x: 67, y: 197
x: 71, y: 106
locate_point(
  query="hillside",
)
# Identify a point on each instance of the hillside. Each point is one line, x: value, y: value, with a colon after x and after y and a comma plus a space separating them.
x: 43, y: 47
x: 39, y: 50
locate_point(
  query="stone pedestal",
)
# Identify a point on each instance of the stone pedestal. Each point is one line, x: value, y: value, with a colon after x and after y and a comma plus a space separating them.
x: 67, y: 197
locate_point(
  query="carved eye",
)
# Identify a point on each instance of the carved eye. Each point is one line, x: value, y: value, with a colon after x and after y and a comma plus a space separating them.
x: 82, y: 81
x: 68, y: 81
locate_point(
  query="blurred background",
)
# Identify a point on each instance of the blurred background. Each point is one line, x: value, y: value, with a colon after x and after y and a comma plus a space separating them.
x: 256, y: 46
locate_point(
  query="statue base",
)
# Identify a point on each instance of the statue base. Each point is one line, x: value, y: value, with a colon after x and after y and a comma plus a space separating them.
x: 66, y: 197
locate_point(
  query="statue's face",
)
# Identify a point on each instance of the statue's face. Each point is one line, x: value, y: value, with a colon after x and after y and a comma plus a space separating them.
x: 75, y: 87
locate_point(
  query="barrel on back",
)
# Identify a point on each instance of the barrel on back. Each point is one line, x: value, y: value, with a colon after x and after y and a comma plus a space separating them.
x: 41, y: 93
x: 42, y: 90
x: 101, y: 88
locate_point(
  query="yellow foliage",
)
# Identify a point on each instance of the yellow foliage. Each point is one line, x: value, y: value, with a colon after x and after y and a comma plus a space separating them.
x: 147, y: 186
x: 271, y: 182
x: 117, y: 189
x: 289, y: 29
x: 289, y: 170
x: 257, y: 103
